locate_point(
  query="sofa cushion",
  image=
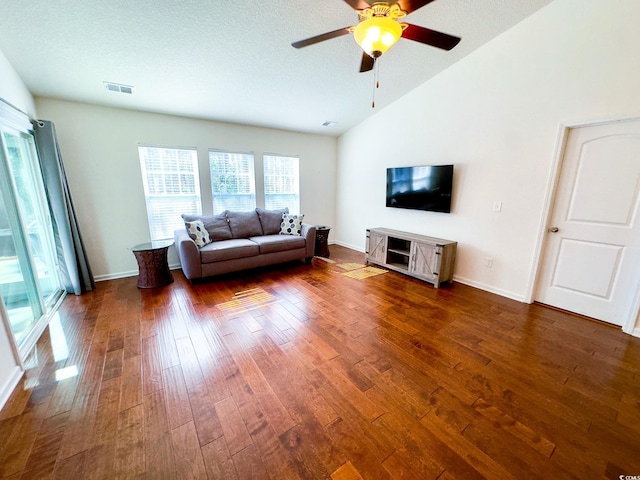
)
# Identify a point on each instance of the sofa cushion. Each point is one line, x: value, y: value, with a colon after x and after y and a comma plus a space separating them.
x: 271, y: 220
x: 216, y: 225
x: 278, y: 243
x: 291, y: 224
x: 198, y: 233
x: 228, y: 250
x: 244, y: 224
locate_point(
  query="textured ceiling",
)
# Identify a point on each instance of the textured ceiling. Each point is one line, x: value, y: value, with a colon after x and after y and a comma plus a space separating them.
x: 233, y: 61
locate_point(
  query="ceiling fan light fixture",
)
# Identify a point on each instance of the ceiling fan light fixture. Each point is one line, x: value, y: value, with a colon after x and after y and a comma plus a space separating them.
x: 376, y: 35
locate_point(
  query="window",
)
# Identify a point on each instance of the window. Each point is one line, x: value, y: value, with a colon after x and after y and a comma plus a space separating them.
x: 30, y: 286
x: 232, y: 181
x: 171, y: 187
x: 282, y: 183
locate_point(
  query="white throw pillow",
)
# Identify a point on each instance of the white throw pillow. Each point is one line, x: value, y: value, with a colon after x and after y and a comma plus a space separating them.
x: 291, y: 224
x: 198, y: 233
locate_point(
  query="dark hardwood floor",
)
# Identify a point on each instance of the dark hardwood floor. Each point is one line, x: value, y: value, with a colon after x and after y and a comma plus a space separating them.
x: 299, y: 371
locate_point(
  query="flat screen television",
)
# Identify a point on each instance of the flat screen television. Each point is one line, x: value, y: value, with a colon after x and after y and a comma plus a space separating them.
x: 420, y: 188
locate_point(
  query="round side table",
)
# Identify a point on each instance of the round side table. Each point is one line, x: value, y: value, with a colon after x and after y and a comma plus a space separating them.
x: 152, y: 263
x: 322, y: 241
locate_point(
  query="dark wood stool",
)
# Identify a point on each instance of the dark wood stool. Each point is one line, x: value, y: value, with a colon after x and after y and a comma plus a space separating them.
x: 152, y: 263
x: 322, y: 241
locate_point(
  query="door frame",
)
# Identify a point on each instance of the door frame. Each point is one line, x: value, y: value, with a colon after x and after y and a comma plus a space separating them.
x: 631, y: 324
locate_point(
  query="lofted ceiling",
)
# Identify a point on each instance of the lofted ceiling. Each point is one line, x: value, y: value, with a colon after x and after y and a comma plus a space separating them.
x: 233, y: 61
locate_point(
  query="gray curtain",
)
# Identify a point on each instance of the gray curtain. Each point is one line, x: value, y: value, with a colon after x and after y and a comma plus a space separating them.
x: 74, y: 265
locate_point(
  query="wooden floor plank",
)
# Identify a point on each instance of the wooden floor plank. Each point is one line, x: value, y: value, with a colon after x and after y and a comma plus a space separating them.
x: 218, y: 460
x: 346, y: 472
x: 131, y: 393
x: 187, y: 453
x: 158, y: 442
x: 106, y: 423
x: 79, y: 433
x: 235, y: 431
x: 359, y: 450
x: 71, y: 467
x: 317, y: 375
x: 160, y: 457
x: 189, y: 363
x: 249, y: 464
x: 151, y: 365
x: 204, y: 414
x: 176, y: 397
x: 130, y: 455
x: 268, y: 401
x: 16, y: 447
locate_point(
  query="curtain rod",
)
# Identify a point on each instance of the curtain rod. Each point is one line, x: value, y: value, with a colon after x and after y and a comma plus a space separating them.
x: 12, y: 116
x: 9, y: 104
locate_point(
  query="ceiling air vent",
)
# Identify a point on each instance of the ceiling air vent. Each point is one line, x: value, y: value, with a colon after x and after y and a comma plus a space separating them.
x: 329, y: 123
x: 118, y: 87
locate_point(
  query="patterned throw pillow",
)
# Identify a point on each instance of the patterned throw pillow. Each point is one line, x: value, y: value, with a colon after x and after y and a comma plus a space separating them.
x: 198, y: 233
x: 216, y: 225
x: 291, y: 224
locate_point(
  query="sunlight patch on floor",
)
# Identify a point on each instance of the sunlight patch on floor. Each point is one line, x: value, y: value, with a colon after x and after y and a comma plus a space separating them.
x: 351, y: 266
x: 248, y: 300
x: 363, y: 273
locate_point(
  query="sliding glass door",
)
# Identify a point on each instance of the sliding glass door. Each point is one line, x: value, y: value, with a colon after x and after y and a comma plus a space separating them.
x: 29, y: 281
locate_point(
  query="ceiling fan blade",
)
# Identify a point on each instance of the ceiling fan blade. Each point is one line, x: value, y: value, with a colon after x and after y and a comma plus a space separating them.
x: 406, y: 5
x: 430, y: 37
x: 358, y: 4
x: 367, y: 63
x: 321, y: 38
x: 412, y: 5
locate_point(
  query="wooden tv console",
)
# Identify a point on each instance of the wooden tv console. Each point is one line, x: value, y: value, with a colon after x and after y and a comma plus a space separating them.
x: 427, y: 258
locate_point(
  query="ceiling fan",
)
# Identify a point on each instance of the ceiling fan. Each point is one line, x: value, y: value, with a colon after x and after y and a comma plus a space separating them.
x: 378, y: 29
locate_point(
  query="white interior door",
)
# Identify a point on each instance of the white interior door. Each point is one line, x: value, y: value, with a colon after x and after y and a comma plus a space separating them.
x: 591, y: 262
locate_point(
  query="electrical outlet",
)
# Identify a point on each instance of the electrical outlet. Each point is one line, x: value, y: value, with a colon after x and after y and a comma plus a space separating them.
x: 488, y: 262
x: 497, y: 206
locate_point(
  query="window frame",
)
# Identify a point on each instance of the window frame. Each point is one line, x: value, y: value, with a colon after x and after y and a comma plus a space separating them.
x: 250, y: 176
x: 163, y: 229
x: 294, y: 182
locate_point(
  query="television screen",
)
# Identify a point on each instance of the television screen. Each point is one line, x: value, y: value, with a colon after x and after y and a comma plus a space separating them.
x: 420, y: 188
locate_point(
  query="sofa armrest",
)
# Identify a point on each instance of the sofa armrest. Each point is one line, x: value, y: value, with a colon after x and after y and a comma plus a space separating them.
x: 188, y: 253
x: 309, y: 234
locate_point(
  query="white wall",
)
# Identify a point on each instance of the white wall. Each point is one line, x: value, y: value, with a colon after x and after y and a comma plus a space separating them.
x: 100, y: 154
x: 496, y: 115
x: 14, y: 91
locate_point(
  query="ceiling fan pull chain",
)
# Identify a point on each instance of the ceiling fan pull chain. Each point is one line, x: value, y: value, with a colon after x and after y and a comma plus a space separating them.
x: 376, y: 82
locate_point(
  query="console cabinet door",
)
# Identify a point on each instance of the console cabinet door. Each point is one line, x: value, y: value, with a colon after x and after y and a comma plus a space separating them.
x: 425, y: 260
x: 377, y: 251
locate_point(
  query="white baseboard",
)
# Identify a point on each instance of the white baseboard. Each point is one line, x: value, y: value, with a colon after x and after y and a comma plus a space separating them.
x: 130, y: 273
x: 10, y: 385
x: 114, y: 276
x: 346, y: 245
x: 490, y: 289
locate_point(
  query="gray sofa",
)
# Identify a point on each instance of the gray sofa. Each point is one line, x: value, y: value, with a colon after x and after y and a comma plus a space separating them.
x: 239, y: 241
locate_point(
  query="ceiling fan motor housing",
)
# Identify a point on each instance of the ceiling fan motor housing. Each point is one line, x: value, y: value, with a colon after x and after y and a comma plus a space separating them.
x: 378, y: 29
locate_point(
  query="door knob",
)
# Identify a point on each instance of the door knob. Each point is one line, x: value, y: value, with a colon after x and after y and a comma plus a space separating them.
x: 554, y: 229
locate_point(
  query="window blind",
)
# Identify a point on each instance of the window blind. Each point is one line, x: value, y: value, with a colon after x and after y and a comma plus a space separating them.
x: 281, y: 182
x: 232, y: 181
x: 171, y: 187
